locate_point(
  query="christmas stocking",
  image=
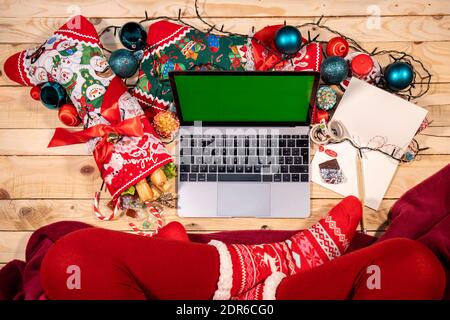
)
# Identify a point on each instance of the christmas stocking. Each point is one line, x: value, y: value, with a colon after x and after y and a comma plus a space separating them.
x: 254, y: 271
x: 178, y: 47
x: 124, y: 145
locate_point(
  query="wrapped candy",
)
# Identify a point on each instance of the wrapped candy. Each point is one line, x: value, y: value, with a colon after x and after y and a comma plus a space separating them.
x: 123, y: 142
x: 166, y: 124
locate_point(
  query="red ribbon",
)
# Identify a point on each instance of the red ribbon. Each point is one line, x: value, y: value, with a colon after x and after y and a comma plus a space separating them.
x: 110, y: 111
x: 263, y: 58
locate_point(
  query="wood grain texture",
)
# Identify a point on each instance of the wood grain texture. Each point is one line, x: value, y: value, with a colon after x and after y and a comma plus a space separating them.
x: 12, y: 245
x: 44, y: 177
x: 391, y: 29
x: 28, y: 215
x: 228, y: 8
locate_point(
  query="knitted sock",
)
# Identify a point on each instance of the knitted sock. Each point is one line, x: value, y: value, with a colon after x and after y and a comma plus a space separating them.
x: 256, y: 270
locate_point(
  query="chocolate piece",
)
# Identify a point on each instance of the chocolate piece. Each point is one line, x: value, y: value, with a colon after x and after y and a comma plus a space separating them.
x: 330, y: 164
x: 331, y: 173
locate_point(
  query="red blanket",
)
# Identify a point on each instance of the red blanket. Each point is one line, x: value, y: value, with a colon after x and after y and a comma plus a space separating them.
x: 423, y: 213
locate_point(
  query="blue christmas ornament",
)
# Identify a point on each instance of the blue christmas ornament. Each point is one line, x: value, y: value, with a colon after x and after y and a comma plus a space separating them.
x: 288, y: 40
x: 334, y: 70
x: 53, y: 95
x: 133, y: 36
x: 123, y: 63
x: 399, y: 75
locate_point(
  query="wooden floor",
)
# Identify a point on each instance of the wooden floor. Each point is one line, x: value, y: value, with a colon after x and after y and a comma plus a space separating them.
x: 40, y: 186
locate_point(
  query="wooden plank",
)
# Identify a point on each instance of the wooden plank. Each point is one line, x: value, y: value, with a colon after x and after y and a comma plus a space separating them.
x: 229, y: 8
x: 29, y: 214
x: 437, y: 139
x: 433, y: 54
x: 56, y: 177
x: 34, y: 142
x: 391, y: 29
x: 18, y: 110
x: 12, y: 245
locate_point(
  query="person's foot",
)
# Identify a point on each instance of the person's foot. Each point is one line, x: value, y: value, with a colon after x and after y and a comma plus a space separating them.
x: 244, y: 267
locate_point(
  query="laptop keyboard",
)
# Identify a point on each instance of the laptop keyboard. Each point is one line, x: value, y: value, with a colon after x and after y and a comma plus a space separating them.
x: 256, y: 158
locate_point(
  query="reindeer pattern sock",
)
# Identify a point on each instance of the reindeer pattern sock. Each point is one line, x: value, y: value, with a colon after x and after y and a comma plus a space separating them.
x: 254, y: 271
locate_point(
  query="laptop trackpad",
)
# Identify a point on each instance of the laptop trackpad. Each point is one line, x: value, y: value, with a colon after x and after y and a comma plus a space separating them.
x: 243, y: 199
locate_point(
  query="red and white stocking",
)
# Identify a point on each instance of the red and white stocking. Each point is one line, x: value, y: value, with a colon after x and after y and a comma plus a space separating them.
x: 123, y: 142
x: 254, y: 271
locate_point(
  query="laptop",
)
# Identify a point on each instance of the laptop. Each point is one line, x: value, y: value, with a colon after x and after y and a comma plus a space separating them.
x: 243, y: 146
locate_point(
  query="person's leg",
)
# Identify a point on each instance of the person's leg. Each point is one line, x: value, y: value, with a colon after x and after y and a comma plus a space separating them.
x: 407, y: 269
x: 117, y: 265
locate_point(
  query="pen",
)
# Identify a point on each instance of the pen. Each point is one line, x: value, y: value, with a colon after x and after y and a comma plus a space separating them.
x: 361, y: 194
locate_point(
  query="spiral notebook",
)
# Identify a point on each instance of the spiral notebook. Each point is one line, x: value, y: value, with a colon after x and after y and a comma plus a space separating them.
x: 376, y: 118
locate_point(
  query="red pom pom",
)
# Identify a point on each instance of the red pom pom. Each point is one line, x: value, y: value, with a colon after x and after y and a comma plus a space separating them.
x: 321, y: 115
x: 35, y: 93
x: 68, y: 115
x: 338, y: 47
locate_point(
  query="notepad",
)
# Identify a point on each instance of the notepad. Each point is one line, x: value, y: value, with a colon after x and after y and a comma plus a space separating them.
x: 375, y: 118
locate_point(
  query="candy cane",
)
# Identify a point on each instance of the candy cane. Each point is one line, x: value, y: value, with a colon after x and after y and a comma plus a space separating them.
x: 157, y: 214
x: 139, y: 232
x: 96, y: 209
x: 159, y: 223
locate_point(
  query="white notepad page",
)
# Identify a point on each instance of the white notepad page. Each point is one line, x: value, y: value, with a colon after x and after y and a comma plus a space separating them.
x: 370, y: 115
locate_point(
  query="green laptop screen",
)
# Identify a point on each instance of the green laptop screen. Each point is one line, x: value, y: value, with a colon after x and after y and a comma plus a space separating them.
x: 244, y: 98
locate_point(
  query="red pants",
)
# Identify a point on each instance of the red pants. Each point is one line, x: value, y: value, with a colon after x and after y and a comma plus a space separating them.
x: 116, y: 265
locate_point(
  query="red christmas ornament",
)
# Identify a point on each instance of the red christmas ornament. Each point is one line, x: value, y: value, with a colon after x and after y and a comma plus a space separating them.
x: 35, y: 93
x: 361, y: 65
x: 337, y: 46
x: 68, y: 115
x: 321, y: 115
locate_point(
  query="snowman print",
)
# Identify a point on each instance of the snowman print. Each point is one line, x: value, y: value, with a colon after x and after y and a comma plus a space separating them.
x: 40, y: 75
x: 98, y: 63
x: 95, y: 91
x: 65, y: 76
x: 101, y: 67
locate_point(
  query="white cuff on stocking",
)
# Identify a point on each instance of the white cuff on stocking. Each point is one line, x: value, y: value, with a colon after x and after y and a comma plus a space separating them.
x: 271, y: 285
x: 225, y: 282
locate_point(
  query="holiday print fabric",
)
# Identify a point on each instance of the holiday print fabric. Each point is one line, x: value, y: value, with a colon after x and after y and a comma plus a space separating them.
x: 174, y: 47
x: 123, y: 142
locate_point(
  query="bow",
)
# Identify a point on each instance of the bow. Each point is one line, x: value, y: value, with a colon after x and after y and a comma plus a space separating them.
x: 109, y: 133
